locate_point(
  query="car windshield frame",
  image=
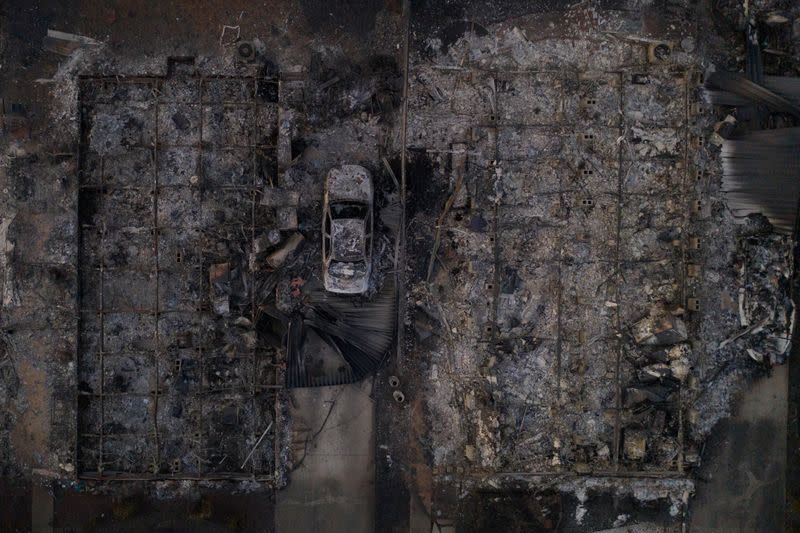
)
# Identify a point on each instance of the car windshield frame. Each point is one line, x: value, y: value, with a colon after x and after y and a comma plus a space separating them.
x: 345, y: 210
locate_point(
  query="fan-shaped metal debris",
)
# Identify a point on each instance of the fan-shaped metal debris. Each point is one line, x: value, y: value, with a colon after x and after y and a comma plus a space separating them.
x: 360, y: 332
x: 778, y: 94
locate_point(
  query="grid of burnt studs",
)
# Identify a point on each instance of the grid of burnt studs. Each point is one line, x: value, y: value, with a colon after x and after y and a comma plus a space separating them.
x: 171, y: 172
x: 603, y: 185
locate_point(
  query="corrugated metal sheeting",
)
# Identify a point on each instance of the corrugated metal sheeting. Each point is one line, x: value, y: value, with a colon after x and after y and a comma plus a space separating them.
x: 761, y: 174
x: 761, y: 169
x: 778, y: 94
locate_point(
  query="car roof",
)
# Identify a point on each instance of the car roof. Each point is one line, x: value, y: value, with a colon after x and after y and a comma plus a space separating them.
x: 348, y: 239
x: 349, y: 183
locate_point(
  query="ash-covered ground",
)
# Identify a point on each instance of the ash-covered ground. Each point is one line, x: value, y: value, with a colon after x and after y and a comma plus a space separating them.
x: 586, y: 307
x: 572, y: 304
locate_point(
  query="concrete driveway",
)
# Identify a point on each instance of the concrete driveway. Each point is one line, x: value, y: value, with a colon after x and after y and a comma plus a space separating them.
x: 742, y: 486
x: 331, y: 488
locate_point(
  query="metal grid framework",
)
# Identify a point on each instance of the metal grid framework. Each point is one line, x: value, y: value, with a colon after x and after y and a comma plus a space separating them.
x: 167, y: 387
x: 609, y: 177
x: 603, y: 181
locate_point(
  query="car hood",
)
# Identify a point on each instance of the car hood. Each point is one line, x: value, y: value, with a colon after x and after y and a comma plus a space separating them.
x: 348, y: 271
x: 347, y: 239
x: 345, y: 277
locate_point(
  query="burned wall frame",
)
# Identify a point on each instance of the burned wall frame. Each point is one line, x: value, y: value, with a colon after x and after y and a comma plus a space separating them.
x: 573, y: 169
x: 169, y: 385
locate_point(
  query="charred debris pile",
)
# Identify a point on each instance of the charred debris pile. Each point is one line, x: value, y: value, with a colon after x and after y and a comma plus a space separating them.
x: 586, y: 301
x: 199, y: 269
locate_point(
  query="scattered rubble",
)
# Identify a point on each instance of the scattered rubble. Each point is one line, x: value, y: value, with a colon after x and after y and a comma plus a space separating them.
x: 660, y: 327
x: 592, y: 255
x: 65, y: 44
x: 570, y: 314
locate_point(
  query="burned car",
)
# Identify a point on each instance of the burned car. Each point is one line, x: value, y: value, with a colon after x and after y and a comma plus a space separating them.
x: 347, y: 230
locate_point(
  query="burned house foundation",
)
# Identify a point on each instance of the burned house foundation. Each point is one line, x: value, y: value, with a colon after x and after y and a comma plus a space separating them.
x: 401, y: 267
x: 169, y: 213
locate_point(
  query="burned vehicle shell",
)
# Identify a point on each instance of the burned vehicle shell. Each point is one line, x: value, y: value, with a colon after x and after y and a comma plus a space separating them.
x: 347, y: 230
